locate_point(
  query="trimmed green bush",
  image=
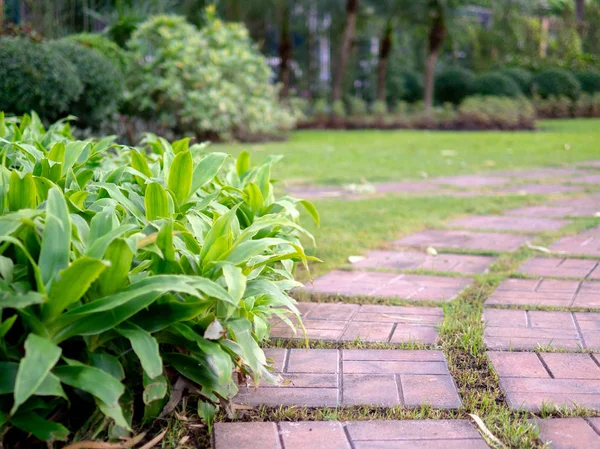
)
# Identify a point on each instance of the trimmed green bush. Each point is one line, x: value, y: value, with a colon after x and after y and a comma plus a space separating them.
x: 338, y: 109
x: 497, y: 85
x: 413, y: 86
x: 589, y: 80
x: 357, y: 106
x: 103, y: 45
x: 35, y: 76
x: 555, y: 82
x: 101, y: 80
x: 453, y: 85
x: 520, y: 76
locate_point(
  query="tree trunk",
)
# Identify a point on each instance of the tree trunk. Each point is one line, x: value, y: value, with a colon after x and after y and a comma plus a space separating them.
x: 347, y: 40
x: 385, y: 46
x: 544, y: 37
x: 285, y: 49
x: 580, y: 14
x: 437, y: 33
x: 313, y: 60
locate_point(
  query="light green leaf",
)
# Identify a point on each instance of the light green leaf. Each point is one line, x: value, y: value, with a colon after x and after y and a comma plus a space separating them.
x: 242, y: 164
x: 236, y: 281
x: 180, y: 176
x: 156, y: 202
x: 207, y: 169
x: 22, y: 192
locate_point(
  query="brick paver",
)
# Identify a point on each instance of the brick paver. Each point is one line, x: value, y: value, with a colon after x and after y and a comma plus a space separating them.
x: 530, y: 380
x: 369, y: 323
x: 589, y: 179
x: 555, y: 212
x: 414, y: 434
x: 391, y: 285
x: 525, y: 330
x: 546, y: 292
x: 403, y: 260
x: 471, y: 181
x: 570, y: 433
x: 504, y: 223
x: 540, y: 189
x: 331, y: 377
x: 544, y: 173
x: 561, y: 268
x: 405, y: 187
x: 585, y: 243
x: 450, y: 239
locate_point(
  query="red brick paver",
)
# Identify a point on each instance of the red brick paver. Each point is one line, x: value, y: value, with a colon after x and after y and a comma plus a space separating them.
x: 504, y: 223
x: 530, y: 380
x: 408, y: 286
x: 546, y: 292
x: 418, y: 434
x: 402, y: 260
x: 570, y: 433
x: 449, y: 239
x: 471, y: 181
x: 369, y: 323
x: 562, y: 268
x: 524, y: 330
x: 330, y: 377
x: 585, y: 243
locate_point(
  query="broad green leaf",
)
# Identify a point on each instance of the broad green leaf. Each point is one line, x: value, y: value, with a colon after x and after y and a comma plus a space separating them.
x: 40, y: 357
x: 181, y: 145
x: 145, y: 347
x: 20, y: 300
x: 139, y: 162
x: 8, y: 376
x: 41, y: 428
x: 22, y: 192
x: 236, y: 281
x: 207, y: 169
x: 116, y: 275
x: 154, y: 389
x: 180, y: 176
x: 312, y: 211
x: 156, y: 202
x: 57, y: 153
x: 242, y: 164
x: 116, y: 194
x: 255, y: 198
x: 72, y: 152
x: 56, y: 238
x: 72, y: 283
x: 108, y: 363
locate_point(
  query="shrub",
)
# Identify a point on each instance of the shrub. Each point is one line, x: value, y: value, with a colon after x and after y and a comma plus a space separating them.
x: 412, y: 86
x: 125, y: 272
x: 102, y: 82
x: 104, y: 46
x: 453, y: 85
x: 520, y: 76
x: 357, y: 106
x: 338, y: 109
x: 36, y: 76
x: 554, y: 107
x: 497, y: 85
x: 496, y: 113
x: 379, y: 108
x: 320, y: 109
x: 555, y: 82
x: 589, y: 80
x: 211, y: 82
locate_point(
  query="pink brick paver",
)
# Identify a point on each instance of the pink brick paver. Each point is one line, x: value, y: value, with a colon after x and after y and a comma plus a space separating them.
x: 471, y: 181
x: 530, y: 380
x: 369, y: 323
x: 555, y: 211
x: 540, y: 189
x: 405, y: 187
x: 388, y: 285
x: 546, y: 292
x: 450, y: 239
x: 331, y: 377
x: 570, y: 433
x: 544, y: 173
x: 561, y: 268
x: 529, y: 329
x: 403, y: 260
x: 409, y: 434
x: 585, y: 243
x: 504, y: 223
x: 589, y: 179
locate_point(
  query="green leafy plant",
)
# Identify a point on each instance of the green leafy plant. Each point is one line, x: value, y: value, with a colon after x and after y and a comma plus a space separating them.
x: 338, y: 109
x: 126, y: 270
x: 589, y: 80
x: 357, y: 106
x: 103, y: 45
x: 496, y: 84
x: 520, y: 76
x: 453, y: 85
x: 555, y: 82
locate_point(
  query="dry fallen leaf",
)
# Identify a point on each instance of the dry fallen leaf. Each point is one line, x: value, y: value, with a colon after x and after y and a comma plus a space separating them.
x: 431, y: 251
x: 355, y: 259
x: 538, y: 248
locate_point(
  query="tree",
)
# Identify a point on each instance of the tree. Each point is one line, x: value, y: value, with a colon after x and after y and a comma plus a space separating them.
x: 436, y: 11
x: 344, y: 51
x: 285, y: 47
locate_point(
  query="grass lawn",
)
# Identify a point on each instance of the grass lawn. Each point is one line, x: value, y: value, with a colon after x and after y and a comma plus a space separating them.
x: 342, y: 157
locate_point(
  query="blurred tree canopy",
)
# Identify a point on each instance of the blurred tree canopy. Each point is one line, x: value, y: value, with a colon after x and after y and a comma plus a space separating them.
x: 342, y: 48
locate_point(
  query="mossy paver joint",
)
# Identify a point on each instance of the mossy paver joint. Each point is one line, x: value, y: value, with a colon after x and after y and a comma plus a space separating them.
x: 570, y: 433
x: 546, y: 292
x: 362, y: 377
x: 370, y: 323
x: 463, y: 240
x: 379, y: 284
x: 561, y: 268
x: 405, y: 260
x: 531, y: 380
x: 585, y: 243
x: 509, y: 223
x: 430, y: 434
x: 529, y: 330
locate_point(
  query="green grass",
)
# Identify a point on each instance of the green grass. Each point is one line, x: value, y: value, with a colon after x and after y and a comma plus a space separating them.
x: 342, y: 157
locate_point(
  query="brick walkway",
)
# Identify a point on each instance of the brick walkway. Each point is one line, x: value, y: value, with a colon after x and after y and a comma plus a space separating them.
x: 331, y: 377
x: 425, y: 434
x: 570, y: 433
x: 532, y: 380
x: 388, y: 285
x: 368, y: 323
